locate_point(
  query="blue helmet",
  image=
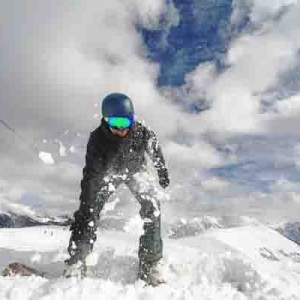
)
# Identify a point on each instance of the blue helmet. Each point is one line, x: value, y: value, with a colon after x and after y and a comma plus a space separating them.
x: 117, y: 105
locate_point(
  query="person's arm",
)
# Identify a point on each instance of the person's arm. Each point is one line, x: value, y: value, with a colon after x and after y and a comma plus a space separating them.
x: 154, y: 151
x: 93, y: 171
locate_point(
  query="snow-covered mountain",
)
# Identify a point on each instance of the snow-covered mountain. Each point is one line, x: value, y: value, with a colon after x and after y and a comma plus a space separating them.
x: 247, y: 262
x: 195, y: 226
x: 290, y: 230
x: 14, y: 220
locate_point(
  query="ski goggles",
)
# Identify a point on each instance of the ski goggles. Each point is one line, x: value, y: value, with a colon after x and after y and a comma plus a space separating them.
x: 119, y: 122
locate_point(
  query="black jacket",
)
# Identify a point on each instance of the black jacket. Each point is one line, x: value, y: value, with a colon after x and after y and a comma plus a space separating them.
x: 109, y: 154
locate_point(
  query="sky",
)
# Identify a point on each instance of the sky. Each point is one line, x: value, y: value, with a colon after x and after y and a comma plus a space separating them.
x: 217, y: 80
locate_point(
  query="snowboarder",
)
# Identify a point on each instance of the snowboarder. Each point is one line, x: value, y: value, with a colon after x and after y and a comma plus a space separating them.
x: 116, y: 154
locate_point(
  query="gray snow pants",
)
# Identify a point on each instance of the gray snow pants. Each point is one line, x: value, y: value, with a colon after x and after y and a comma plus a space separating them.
x: 87, y: 219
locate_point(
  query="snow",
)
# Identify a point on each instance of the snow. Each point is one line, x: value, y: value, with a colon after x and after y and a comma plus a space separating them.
x: 248, y: 262
x: 36, y: 258
x: 110, y: 205
x: 62, y: 149
x: 72, y: 149
x: 135, y: 225
x: 46, y: 158
x: 111, y: 187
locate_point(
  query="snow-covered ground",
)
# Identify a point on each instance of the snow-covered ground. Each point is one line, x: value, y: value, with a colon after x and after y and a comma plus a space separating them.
x: 248, y: 262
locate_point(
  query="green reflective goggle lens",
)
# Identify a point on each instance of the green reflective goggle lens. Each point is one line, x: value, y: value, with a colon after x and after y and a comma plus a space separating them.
x: 119, y: 122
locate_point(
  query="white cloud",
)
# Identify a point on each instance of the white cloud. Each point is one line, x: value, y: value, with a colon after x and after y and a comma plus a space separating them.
x: 261, y: 10
x: 111, y: 57
x: 202, y: 77
x: 8, y: 205
x: 289, y: 106
x: 46, y: 158
x: 297, y: 155
x: 247, y: 56
x: 256, y: 60
x: 214, y: 183
x: 258, y: 11
x: 14, y: 193
x: 149, y: 12
x: 199, y: 155
x: 69, y: 57
x: 91, y: 49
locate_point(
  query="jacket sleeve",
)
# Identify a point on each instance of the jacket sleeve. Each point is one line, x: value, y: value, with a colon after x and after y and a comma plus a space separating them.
x: 93, y: 171
x: 154, y: 151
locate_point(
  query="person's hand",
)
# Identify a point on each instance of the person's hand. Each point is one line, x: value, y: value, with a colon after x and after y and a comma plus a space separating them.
x: 163, y: 176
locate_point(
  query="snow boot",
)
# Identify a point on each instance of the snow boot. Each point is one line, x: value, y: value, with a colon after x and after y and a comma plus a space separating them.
x: 149, y: 272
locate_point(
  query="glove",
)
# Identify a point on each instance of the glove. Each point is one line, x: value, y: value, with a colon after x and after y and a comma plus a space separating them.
x: 163, y: 176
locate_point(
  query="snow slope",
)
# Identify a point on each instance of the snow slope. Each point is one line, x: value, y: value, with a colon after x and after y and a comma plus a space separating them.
x: 249, y: 262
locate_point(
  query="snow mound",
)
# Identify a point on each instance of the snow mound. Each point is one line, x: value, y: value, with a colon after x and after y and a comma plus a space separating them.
x: 249, y: 262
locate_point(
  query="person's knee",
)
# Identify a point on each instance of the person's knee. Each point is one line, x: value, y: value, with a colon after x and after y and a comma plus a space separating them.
x: 150, y: 209
x: 79, y: 250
